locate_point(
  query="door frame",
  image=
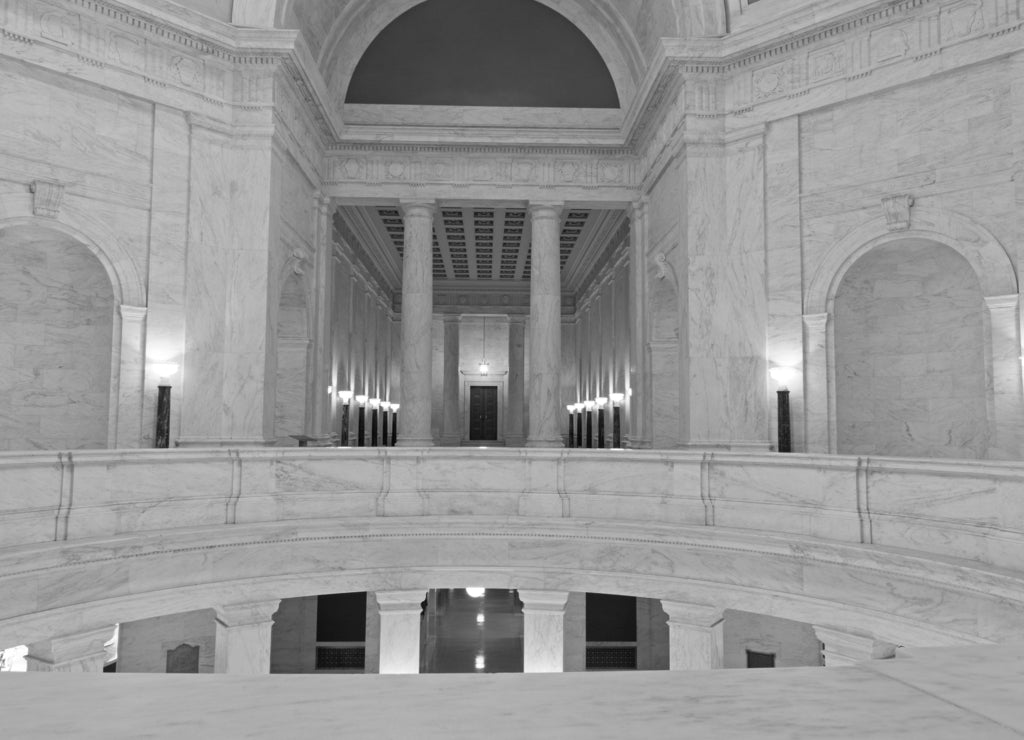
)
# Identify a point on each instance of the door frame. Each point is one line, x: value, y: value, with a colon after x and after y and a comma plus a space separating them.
x: 483, y: 380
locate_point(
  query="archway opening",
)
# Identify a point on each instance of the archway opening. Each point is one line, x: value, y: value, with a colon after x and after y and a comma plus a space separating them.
x: 909, y: 354
x: 56, y: 329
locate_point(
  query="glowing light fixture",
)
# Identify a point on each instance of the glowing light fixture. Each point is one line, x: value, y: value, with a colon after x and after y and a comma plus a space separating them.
x: 475, y: 592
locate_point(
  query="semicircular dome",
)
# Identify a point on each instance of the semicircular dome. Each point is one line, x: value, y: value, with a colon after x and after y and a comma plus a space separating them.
x: 515, y: 53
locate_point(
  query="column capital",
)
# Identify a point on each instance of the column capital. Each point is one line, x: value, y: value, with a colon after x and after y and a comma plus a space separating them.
x: 451, y: 318
x: 546, y: 209
x: 997, y: 302
x: 697, y: 615
x: 543, y: 601
x: 816, y: 321
x: 255, y: 612
x: 400, y: 601
x: 132, y: 313
x: 79, y: 652
x: 418, y: 208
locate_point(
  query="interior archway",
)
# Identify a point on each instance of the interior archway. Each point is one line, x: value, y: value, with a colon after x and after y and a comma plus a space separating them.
x: 56, y: 330
x: 909, y: 354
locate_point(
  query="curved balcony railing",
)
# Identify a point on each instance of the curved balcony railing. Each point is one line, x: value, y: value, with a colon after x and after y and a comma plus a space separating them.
x: 949, y: 509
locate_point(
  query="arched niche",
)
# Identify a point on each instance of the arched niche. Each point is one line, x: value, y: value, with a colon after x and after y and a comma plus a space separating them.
x: 909, y: 370
x: 57, y: 330
x: 998, y: 286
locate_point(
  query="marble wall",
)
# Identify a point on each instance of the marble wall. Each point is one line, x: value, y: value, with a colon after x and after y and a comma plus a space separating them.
x: 143, y: 644
x: 910, y: 355
x: 794, y: 644
x: 56, y: 326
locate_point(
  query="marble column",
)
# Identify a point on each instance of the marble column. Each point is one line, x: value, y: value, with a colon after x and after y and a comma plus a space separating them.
x: 545, y: 327
x: 843, y: 648
x: 817, y: 404
x: 318, y: 400
x: 543, y: 630
x: 451, y: 434
x: 242, y: 642
x: 694, y: 636
x: 636, y: 415
x: 400, y: 630
x: 514, y: 416
x: 1004, y: 352
x: 82, y: 652
x: 417, y: 314
x: 130, y: 387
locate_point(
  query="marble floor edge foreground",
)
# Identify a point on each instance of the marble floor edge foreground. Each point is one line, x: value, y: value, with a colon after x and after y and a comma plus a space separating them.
x: 933, y: 694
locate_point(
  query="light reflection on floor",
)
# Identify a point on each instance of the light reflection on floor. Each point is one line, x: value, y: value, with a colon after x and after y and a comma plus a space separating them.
x: 475, y: 635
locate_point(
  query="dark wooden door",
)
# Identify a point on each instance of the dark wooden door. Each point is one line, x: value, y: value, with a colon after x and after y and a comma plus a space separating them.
x: 483, y: 413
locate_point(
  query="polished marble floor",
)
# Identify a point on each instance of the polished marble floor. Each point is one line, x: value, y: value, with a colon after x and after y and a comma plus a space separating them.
x: 467, y: 633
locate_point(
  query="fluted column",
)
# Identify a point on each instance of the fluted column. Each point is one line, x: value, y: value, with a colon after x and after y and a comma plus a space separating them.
x: 417, y: 312
x: 130, y: 383
x: 1004, y: 352
x: 514, y: 436
x: 637, y: 414
x: 694, y: 636
x: 817, y: 412
x: 82, y: 652
x: 451, y: 434
x: 320, y: 404
x: 543, y: 630
x: 400, y: 630
x: 545, y: 327
x: 242, y: 642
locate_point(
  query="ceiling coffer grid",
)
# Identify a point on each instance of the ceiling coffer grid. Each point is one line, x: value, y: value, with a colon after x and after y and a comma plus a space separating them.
x: 475, y: 243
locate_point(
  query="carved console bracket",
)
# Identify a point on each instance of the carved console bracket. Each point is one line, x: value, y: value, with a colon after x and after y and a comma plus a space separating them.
x: 897, y: 211
x: 47, y: 197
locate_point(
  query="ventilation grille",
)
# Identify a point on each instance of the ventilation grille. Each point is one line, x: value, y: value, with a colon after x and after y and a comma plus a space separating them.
x: 603, y: 657
x: 340, y: 658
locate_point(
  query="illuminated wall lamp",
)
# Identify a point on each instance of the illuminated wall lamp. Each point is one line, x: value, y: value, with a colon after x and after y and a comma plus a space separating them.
x: 782, y: 375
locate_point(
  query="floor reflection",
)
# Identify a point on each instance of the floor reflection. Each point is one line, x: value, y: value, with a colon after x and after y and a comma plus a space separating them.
x: 467, y: 634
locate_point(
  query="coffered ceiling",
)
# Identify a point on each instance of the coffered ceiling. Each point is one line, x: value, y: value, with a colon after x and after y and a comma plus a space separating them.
x: 484, y: 246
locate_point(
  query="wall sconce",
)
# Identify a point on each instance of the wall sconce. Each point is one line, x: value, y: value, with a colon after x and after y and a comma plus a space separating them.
x: 163, y: 371
x: 361, y: 400
x: 782, y: 375
x: 346, y: 398
x: 571, y: 408
x: 617, y: 399
x: 374, y: 405
x: 601, y: 402
x: 589, y: 406
x: 330, y: 390
x: 579, y: 423
x: 394, y: 423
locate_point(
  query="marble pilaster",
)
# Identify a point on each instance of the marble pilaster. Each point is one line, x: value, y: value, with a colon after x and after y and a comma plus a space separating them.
x: 243, y: 637
x: 695, y: 636
x: 543, y: 630
x: 132, y: 374
x: 845, y: 648
x: 417, y: 314
x: 816, y: 393
x: 514, y: 416
x: 399, y: 630
x: 1005, y: 399
x: 451, y: 434
x: 545, y: 327
x: 82, y: 652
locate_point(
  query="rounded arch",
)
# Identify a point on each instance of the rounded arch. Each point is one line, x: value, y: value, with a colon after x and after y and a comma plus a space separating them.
x: 973, y: 242
x: 125, y: 278
x: 893, y: 595
x: 361, y: 21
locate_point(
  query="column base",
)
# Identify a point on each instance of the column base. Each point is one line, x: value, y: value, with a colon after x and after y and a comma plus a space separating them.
x: 428, y: 442
x: 451, y: 440
x: 516, y: 440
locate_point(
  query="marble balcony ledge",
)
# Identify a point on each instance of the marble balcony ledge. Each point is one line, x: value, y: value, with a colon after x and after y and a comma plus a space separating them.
x: 966, y: 510
x: 944, y: 694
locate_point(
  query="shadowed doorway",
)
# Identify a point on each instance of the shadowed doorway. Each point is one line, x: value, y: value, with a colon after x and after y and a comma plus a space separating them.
x: 468, y: 633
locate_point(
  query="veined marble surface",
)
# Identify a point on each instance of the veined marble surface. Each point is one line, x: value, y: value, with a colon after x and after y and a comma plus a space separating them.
x: 934, y: 695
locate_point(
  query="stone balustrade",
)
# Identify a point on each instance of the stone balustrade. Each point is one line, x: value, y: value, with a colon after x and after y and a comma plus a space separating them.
x: 953, y: 509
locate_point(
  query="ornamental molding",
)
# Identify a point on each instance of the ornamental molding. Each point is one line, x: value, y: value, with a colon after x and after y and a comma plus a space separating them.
x: 896, y: 209
x: 47, y: 196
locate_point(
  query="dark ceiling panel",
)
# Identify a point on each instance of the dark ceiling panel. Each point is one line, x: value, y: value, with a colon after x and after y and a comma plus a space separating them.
x: 483, y: 53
